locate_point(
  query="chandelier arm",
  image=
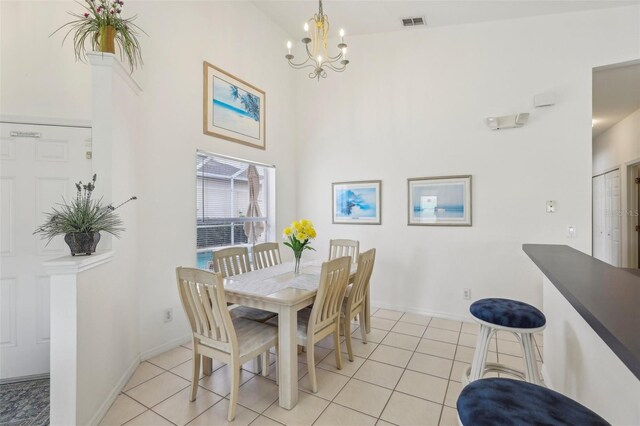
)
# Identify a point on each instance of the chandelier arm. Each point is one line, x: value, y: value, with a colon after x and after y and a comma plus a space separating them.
x: 336, y: 69
x: 301, y: 64
x: 299, y: 67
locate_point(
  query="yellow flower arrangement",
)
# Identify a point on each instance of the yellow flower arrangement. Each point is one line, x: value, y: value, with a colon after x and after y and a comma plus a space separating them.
x: 297, y: 236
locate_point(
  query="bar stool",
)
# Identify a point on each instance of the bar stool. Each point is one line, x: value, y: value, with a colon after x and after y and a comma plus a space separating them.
x: 506, y: 402
x: 513, y: 316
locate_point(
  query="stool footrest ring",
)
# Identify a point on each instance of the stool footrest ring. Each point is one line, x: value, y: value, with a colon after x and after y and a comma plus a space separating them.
x: 493, y: 367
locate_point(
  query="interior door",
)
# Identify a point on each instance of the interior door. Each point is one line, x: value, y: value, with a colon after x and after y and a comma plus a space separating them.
x: 39, y: 165
x: 598, y: 217
x: 613, y: 218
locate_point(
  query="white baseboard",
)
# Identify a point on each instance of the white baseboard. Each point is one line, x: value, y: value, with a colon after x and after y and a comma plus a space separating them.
x: 427, y: 312
x: 174, y: 343
x: 100, y: 413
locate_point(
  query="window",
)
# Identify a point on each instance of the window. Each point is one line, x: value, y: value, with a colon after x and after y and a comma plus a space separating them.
x: 224, y: 215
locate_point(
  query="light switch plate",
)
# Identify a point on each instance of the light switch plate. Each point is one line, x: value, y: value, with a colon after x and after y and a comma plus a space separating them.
x: 571, y: 231
x: 551, y: 206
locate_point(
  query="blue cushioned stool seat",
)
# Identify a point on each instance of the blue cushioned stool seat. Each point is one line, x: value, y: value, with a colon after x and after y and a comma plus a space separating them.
x: 512, y: 402
x: 508, y: 313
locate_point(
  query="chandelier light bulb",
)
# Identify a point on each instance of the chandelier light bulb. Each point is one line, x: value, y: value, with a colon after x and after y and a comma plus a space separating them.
x: 306, y: 27
x: 344, y: 53
x: 342, y: 33
x: 289, y: 47
x: 319, y: 59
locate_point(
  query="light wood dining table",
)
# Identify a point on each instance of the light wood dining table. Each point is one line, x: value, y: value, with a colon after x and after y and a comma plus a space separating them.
x: 277, y: 289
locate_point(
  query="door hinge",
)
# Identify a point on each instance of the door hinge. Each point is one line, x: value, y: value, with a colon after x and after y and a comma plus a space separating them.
x: 637, y: 228
x: 638, y: 180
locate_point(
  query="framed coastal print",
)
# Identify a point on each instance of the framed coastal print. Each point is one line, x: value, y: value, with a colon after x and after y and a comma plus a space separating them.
x: 444, y: 201
x: 357, y: 202
x: 233, y: 109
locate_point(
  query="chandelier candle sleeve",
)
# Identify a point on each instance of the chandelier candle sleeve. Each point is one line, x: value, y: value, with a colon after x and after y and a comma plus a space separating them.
x: 318, y: 57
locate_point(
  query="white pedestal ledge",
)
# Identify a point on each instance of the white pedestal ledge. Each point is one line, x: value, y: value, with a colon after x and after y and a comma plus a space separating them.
x: 64, y: 273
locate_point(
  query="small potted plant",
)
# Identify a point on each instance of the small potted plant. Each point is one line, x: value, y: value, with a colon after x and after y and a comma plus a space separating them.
x: 297, y: 237
x: 82, y: 220
x: 103, y: 26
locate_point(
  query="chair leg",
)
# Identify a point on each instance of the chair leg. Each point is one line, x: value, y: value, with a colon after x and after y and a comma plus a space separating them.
x: 277, y: 363
x: 196, y: 373
x: 336, y: 341
x: 363, y: 328
x: 265, y: 364
x: 235, y: 385
x: 207, y: 365
x: 311, y: 366
x: 347, y: 337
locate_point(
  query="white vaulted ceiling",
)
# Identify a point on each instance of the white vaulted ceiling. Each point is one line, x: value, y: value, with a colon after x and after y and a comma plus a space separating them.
x: 616, y: 94
x: 366, y: 16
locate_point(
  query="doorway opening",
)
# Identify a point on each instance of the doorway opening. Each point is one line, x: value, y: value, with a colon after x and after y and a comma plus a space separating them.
x: 616, y: 163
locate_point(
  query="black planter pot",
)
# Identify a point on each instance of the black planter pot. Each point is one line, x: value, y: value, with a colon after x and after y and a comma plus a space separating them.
x: 82, y: 242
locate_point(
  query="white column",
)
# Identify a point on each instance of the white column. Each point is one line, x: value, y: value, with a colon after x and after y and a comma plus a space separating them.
x: 64, y: 274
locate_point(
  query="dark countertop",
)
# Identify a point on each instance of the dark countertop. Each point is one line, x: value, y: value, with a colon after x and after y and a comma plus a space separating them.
x: 608, y: 298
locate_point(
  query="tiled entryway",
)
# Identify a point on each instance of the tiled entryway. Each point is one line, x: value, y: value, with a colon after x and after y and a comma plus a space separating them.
x: 408, y: 374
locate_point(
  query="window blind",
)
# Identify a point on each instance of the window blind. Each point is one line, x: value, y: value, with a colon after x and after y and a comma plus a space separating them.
x: 222, y: 198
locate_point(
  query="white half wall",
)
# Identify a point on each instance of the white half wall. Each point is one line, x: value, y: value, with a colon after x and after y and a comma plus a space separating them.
x: 580, y: 365
x: 413, y: 104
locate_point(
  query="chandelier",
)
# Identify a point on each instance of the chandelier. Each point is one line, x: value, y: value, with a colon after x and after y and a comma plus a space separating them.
x: 315, y: 43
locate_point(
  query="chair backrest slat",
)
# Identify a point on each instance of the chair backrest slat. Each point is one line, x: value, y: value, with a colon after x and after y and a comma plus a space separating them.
x: 362, y: 279
x: 341, y: 248
x: 231, y: 261
x: 333, y: 284
x: 203, y: 299
x: 266, y: 255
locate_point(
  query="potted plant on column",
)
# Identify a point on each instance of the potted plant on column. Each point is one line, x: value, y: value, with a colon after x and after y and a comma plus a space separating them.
x: 103, y: 26
x: 82, y: 220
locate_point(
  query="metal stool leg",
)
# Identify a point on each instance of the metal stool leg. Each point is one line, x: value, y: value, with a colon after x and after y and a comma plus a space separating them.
x: 529, y: 352
x: 480, y: 354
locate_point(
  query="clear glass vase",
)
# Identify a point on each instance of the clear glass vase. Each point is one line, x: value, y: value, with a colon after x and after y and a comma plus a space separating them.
x: 297, y: 263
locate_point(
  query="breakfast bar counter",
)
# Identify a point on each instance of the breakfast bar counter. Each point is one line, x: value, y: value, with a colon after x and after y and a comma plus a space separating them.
x: 591, y: 346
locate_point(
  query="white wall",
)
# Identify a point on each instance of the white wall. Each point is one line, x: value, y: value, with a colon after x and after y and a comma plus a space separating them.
x: 242, y: 41
x: 413, y: 104
x: 619, y: 145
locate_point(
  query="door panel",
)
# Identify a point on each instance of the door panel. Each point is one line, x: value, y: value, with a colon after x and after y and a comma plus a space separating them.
x: 39, y: 165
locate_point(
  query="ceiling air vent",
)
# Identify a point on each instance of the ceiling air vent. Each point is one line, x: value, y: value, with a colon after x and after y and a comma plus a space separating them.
x: 413, y: 22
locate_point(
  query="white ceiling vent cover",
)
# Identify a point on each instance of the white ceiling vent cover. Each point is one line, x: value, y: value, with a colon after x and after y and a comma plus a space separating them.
x: 414, y: 21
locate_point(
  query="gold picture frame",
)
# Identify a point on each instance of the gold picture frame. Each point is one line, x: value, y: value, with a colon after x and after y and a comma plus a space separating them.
x: 232, y: 108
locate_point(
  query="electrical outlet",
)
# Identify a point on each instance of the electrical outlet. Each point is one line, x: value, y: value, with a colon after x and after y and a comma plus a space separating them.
x: 466, y: 294
x: 168, y: 315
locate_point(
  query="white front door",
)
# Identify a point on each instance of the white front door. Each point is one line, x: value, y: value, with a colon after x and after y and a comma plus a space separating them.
x: 39, y: 165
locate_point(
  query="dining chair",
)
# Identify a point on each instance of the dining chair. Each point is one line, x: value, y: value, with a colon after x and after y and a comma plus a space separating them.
x: 215, y: 334
x: 266, y: 255
x: 231, y: 261
x: 339, y: 248
x: 235, y: 261
x: 324, y: 318
x: 355, y: 301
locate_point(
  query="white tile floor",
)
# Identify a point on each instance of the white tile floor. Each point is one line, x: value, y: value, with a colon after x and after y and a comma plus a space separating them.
x: 408, y: 374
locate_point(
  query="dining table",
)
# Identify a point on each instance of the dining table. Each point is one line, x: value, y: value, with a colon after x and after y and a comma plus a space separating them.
x: 278, y: 289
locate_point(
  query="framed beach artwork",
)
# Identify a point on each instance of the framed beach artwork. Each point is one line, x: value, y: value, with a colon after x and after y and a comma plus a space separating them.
x: 444, y: 201
x: 233, y: 109
x: 357, y: 202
